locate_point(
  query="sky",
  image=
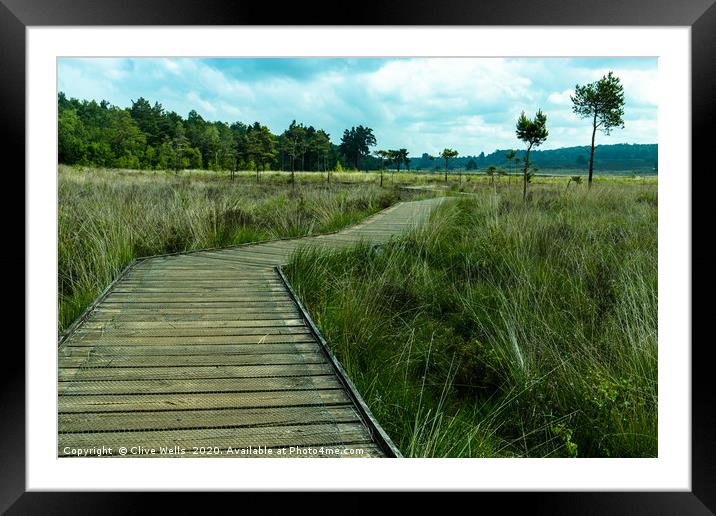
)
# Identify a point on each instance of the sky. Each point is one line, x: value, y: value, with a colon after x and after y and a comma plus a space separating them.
x: 422, y: 104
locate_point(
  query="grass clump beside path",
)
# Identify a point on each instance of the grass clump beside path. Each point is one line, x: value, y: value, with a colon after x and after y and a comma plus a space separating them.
x: 109, y: 217
x: 503, y: 329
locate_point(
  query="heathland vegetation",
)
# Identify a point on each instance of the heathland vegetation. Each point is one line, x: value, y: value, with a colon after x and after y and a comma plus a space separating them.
x: 504, y: 328
x: 520, y: 320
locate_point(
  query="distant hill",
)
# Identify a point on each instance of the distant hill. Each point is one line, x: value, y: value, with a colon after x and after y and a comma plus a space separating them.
x: 621, y: 157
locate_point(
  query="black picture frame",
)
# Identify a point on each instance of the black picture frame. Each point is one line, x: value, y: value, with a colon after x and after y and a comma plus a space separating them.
x: 700, y: 15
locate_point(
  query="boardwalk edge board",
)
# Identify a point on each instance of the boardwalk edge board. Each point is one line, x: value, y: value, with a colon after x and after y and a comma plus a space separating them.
x: 380, y: 436
x: 88, y: 311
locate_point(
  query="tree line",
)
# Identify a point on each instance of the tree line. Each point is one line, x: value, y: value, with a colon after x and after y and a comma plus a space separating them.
x: 609, y: 158
x: 146, y: 136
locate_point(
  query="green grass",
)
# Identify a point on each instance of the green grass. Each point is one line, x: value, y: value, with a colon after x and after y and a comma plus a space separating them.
x: 499, y: 329
x: 109, y: 217
x: 504, y: 329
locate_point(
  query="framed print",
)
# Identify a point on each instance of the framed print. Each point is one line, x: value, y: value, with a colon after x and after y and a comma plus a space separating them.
x: 432, y: 239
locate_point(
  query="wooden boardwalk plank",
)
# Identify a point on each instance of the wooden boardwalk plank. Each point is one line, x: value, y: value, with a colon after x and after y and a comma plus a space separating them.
x: 97, y: 340
x: 231, y: 327
x: 166, y: 373
x: 188, y: 315
x: 259, y: 308
x: 209, y: 305
x: 196, y: 349
x: 222, y: 297
x: 208, y: 418
x: 217, y: 359
x: 196, y: 285
x: 177, y: 386
x: 191, y: 401
x: 240, y: 323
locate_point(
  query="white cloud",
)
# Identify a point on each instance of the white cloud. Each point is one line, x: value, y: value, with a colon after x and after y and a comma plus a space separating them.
x: 561, y: 98
x: 641, y: 87
x: 171, y: 65
x: 443, y: 79
x: 202, y: 104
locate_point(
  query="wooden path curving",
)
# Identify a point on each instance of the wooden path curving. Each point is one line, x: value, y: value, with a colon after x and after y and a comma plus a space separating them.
x: 211, y: 349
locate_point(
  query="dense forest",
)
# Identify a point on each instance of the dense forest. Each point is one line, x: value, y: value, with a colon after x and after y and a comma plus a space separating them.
x: 146, y: 136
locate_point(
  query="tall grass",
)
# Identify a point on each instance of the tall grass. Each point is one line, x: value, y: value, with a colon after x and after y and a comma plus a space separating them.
x: 108, y: 217
x: 503, y: 328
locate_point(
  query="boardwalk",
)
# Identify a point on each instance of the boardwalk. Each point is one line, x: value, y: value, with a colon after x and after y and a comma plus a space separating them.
x: 211, y: 349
